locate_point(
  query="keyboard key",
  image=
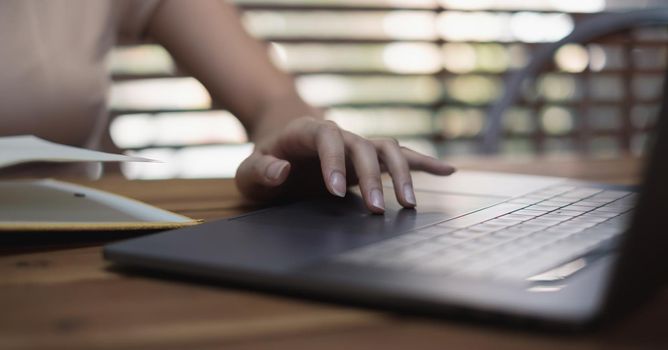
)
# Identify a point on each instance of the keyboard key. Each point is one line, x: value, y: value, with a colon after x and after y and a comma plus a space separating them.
x: 568, y: 212
x: 580, y: 224
x: 501, y: 222
x: 563, y: 188
x: 556, y: 215
x: 517, y: 217
x: 555, y: 203
x: 621, y: 205
x: 590, y: 218
x: 539, y: 222
x: 590, y: 202
x: 580, y: 208
x: 552, y: 217
x: 481, y: 215
x: 580, y: 193
x: 613, y: 194
x: 608, y: 209
x: 543, y: 208
x: 603, y: 214
x: 485, y: 227
x: 537, y: 196
x: 558, y: 199
x: 529, y: 212
x: 526, y: 201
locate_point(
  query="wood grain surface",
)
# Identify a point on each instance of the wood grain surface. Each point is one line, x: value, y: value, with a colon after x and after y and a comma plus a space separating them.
x: 65, y: 296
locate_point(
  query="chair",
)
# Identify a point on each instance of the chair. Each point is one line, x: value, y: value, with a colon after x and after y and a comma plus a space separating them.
x: 586, y: 31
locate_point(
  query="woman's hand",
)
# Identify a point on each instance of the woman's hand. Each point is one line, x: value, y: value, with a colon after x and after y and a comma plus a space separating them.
x: 310, y: 155
x: 293, y: 157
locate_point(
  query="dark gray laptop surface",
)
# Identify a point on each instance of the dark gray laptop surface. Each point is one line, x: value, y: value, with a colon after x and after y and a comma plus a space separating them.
x: 561, y: 252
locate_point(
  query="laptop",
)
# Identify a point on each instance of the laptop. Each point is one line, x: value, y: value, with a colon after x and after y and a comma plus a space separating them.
x: 552, y: 251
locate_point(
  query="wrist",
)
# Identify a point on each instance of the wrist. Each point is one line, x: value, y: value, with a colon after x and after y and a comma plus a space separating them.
x: 278, y: 112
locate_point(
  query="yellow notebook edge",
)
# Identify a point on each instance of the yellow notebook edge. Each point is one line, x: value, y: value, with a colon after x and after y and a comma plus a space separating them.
x: 14, y: 226
x: 93, y: 226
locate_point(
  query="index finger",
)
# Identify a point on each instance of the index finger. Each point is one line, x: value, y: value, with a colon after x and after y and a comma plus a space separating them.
x: 332, y: 154
x: 419, y: 161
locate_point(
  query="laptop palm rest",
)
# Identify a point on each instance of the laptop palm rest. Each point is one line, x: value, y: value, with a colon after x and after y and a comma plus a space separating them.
x: 281, y: 239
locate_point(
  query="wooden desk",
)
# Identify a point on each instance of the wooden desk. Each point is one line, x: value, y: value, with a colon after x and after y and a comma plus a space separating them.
x: 67, y: 299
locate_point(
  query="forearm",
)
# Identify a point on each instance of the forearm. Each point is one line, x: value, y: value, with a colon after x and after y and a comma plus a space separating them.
x: 207, y: 39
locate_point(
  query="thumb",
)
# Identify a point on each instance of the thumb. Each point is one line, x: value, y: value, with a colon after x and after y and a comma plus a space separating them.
x: 259, y: 176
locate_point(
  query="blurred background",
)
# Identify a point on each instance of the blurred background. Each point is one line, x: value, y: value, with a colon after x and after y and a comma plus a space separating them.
x: 422, y: 71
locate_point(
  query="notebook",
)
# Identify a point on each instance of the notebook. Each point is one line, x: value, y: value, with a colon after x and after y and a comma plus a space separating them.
x: 52, y: 205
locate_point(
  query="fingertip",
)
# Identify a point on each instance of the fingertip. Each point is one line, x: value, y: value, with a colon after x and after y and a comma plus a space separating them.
x: 375, y: 210
x: 449, y: 170
x: 277, y: 172
x: 441, y: 168
x: 376, y: 202
x: 337, y: 184
x: 409, y: 196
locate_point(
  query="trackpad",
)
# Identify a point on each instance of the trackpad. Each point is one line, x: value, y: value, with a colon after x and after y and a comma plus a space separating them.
x: 348, y: 222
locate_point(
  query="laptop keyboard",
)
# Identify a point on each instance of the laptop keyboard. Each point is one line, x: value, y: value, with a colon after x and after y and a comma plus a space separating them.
x: 513, y: 240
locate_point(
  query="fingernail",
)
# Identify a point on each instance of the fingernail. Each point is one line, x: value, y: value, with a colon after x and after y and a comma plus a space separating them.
x: 338, y: 183
x: 409, y: 195
x: 377, y: 199
x: 275, y: 169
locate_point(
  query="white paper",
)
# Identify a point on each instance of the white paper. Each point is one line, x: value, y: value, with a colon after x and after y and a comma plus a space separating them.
x: 28, y: 148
